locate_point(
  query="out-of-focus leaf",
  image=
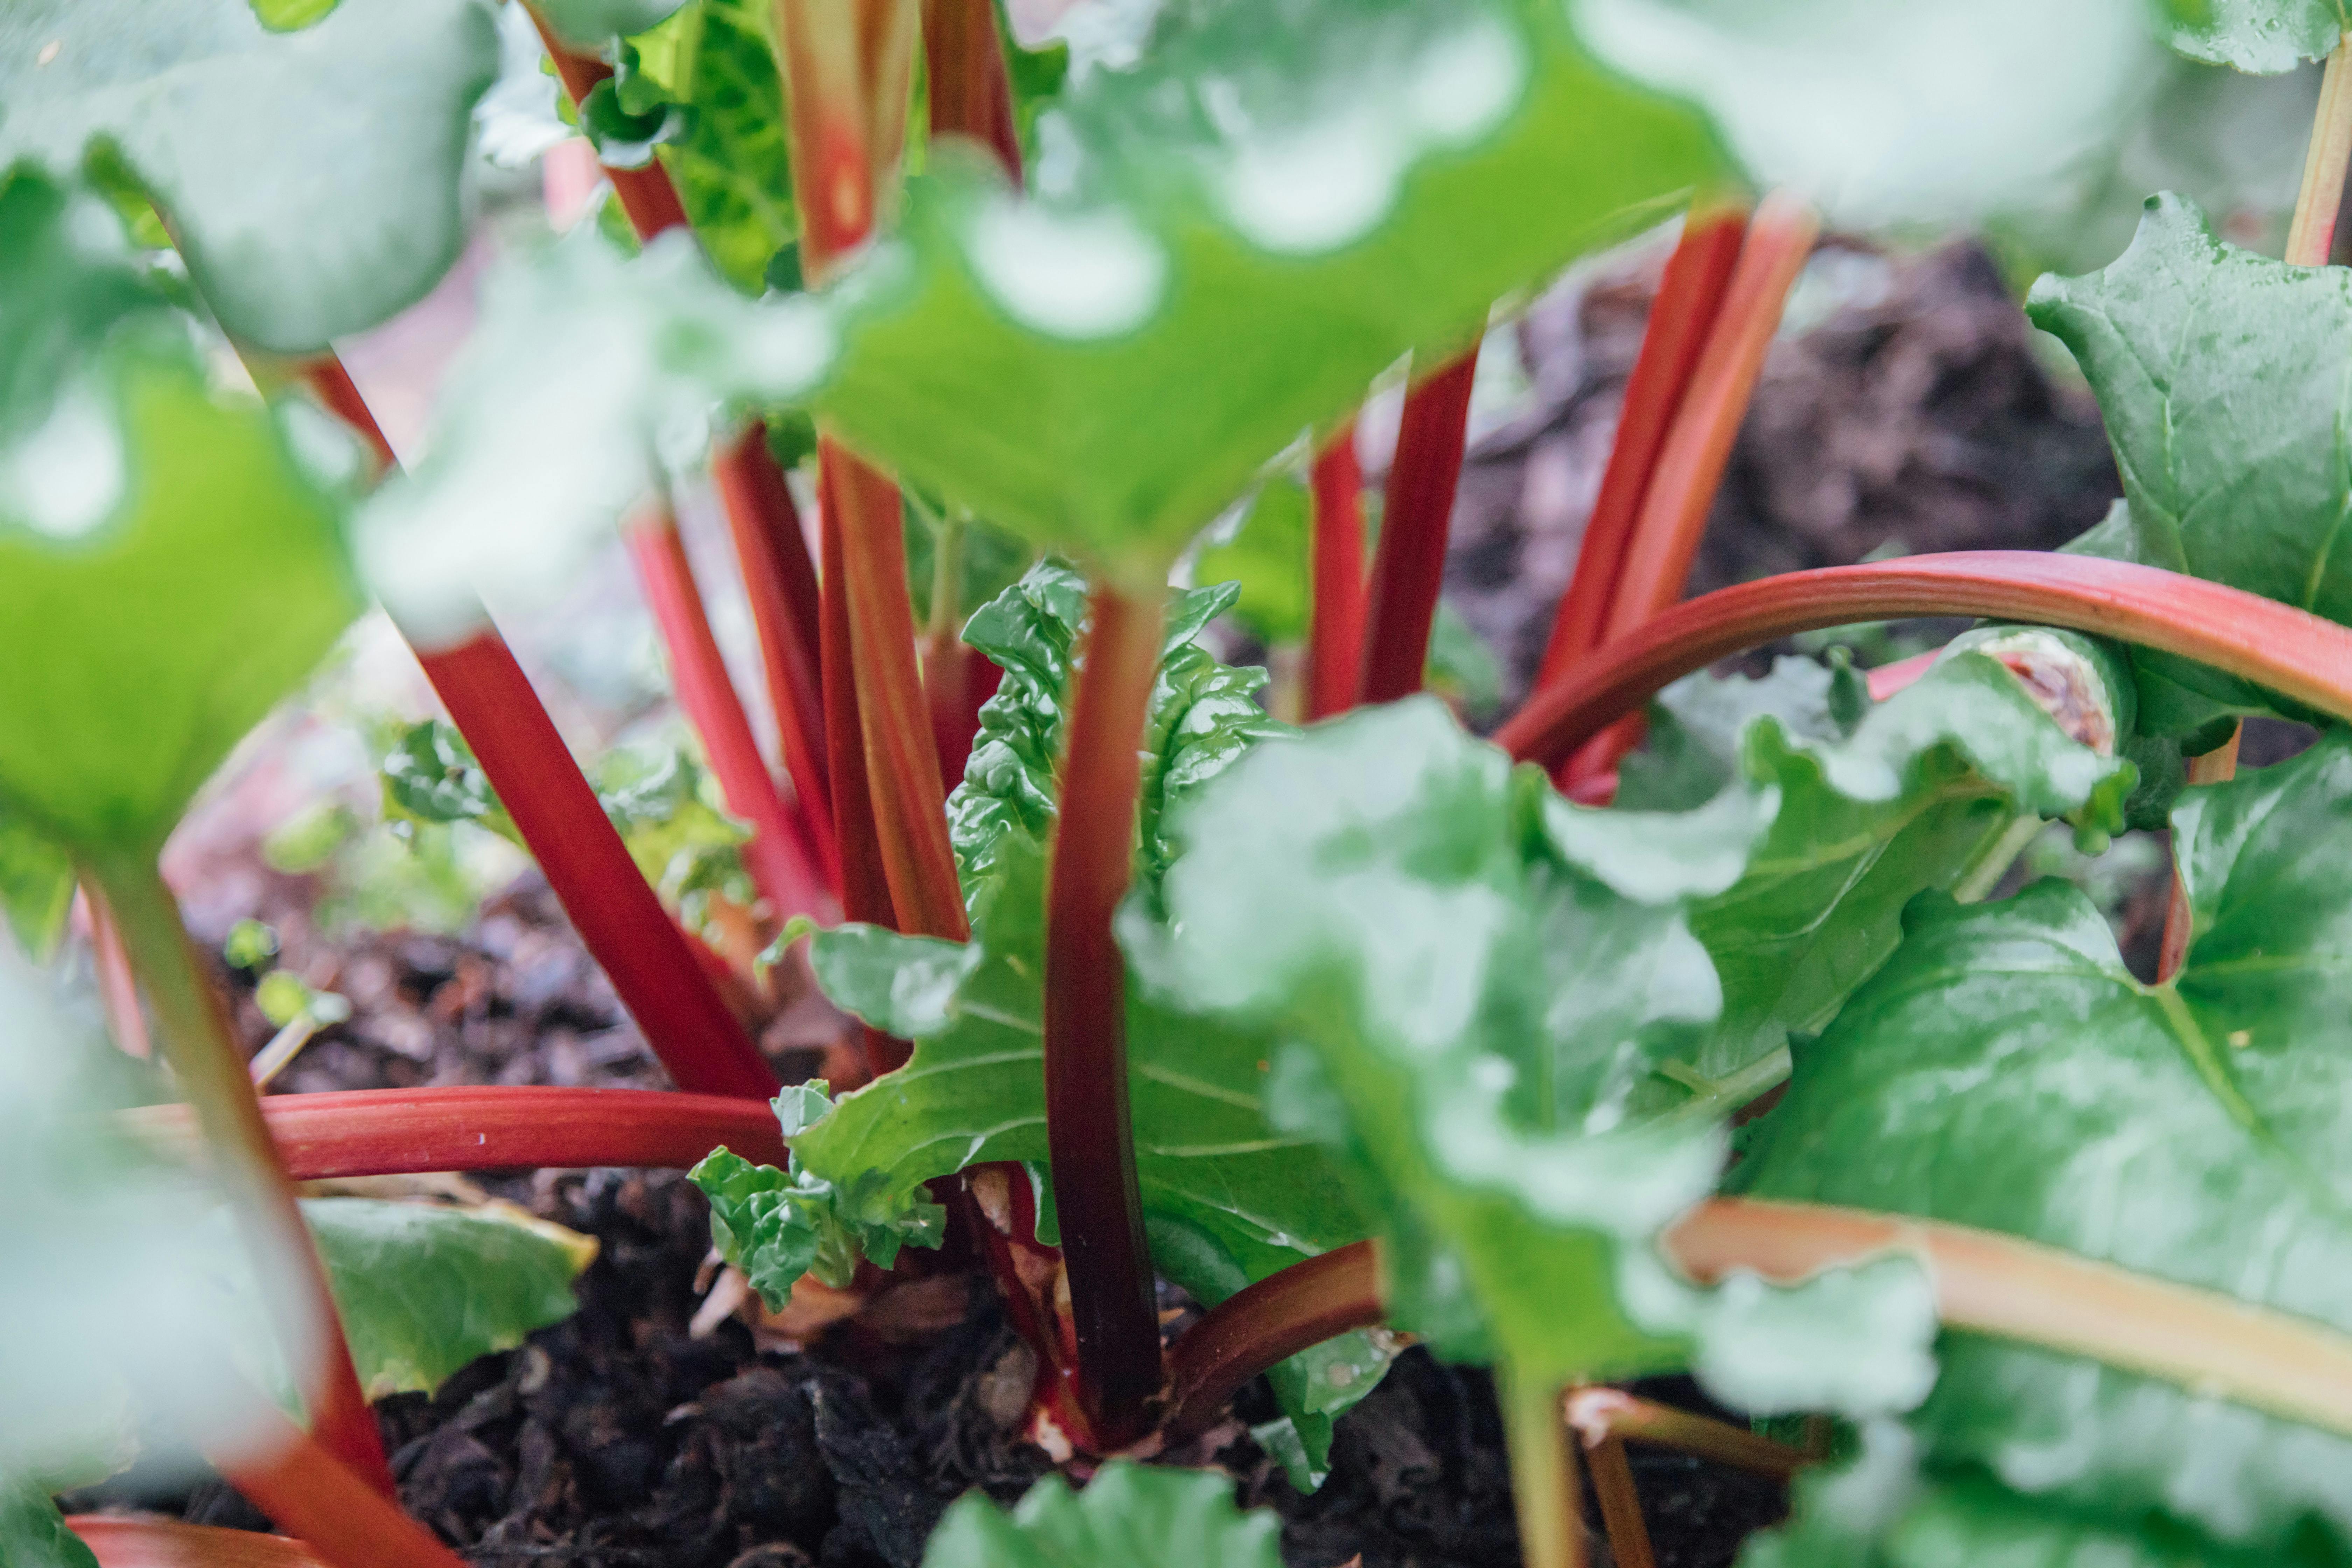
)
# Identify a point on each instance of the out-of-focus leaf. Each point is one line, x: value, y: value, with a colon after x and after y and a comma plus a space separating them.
x: 1461, y: 668
x: 425, y: 1288
x: 37, y: 886
x: 1924, y: 790
x: 2004, y: 1069
x: 1887, y: 114
x: 588, y: 372
x: 668, y: 814
x: 310, y: 178
x: 429, y: 776
x: 1360, y: 190
x: 2217, y: 371
x: 32, y: 1534
x: 1267, y: 556
x: 2263, y: 36
x: 1128, y: 1515
x: 732, y: 162
x: 1471, y: 980
x: 989, y: 560
x: 591, y: 25
x: 170, y: 562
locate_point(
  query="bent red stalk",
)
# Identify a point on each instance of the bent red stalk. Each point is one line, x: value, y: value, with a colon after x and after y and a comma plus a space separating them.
x: 167, y: 1543
x: 781, y: 861
x: 306, y: 1490
x: 1409, y: 564
x: 1690, y: 293
x: 2286, y: 650
x: 1270, y: 1321
x: 401, y: 1132
x: 1335, y: 630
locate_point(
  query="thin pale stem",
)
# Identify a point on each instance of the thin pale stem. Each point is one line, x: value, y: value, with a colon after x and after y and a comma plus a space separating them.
x: 780, y: 581
x: 120, y: 1542
x: 400, y: 1132
x: 2287, y: 650
x: 2313, y: 233
x: 1409, y: 564
x: 1335, y: 632
x: 1621, y: 1505
x: 204, y: 1056
x: 284, y: 1046
x: 619, y: 917
x: 1994, y: 858
x: 310, y: 1492
x: 1087, y: 1126
x: 1544, y: 1489
x: 1270, y: 1321
x: 1611, y: 1415
x: 1690, y: 295
x: 776, y: 854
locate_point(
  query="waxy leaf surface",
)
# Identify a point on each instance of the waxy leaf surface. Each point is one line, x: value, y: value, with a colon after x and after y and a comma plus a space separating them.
x: 170, y: 560
x: 1471, y: 979
x: 310, y: 178
x: 1128, y: 1515
x: 2004, y: 1069
x: 2263, y: 36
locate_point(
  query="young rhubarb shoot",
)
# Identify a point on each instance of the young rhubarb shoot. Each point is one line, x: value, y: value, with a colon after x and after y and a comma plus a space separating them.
x: 1409, y: 566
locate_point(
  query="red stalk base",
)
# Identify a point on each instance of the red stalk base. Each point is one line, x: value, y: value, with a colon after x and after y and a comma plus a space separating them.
x: 1270, y: 1321
x: 306, y: 1490
x: 168, y: 1544
x: 1335, y: 632
x: 2287, y: 650
x: 618, y: 917
x: 1409, y: 566
x: 1087, y: 1126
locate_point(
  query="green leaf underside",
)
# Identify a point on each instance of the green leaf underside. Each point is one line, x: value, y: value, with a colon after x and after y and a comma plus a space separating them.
x: 37, y: 885
x: 2219, y: 374
x: 589, y: 25
x: 423, y: 1288
x: 2262, y: 36
x: 1373, y: 203
x: 2005, y: 1070
x: 170, y: 562
x: 1128, y: 1515
x: 32, y: 1532
x: 733, y: 167
x: 1471, y: 979
x: 1267, y: 556
x: 1924, y: 786
x: 310, y: 178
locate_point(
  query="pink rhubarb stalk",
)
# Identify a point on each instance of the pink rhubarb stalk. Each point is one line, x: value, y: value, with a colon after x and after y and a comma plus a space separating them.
x: 1409, y: 566
x: 1335, y: 633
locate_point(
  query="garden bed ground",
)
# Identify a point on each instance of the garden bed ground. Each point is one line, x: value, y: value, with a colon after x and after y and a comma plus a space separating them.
x: 1910, y: 415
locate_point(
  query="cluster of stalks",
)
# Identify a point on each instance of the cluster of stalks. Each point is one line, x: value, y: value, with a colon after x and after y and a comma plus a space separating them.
x: 869, y: 733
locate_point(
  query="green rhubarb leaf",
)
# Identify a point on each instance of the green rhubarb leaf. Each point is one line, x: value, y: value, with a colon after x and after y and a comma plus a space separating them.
x: 1930, y: 789
x: 1471, y: 980
x: 1127, y: 1514
x: 1267, y: 556
x: 423, y: 1289
x: 2004, y: 1069
x: 170, y: 562
x: 32, y: 1534
x: 589, y: 375
x: 731, y: 163
x: 1274, y: 204
x: 310, y: 178
x: 776, y: 1225
x: 36, y: 888
x: 591, y: 25
x: 2218, y: 371
x: 2263, y: 36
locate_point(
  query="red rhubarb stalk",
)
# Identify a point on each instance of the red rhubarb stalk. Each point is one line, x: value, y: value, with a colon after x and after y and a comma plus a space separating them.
x: 645, y: 195
x: 780, y: 580
x: 2284, y: 649
x: 1689, y: 295
x: 1087, y: 1128
x: 618, y: 916
x: 308, y: 1492
x: 1335, y: 631
x: 400, y: 1132
x: 204, y: 1056
x: 1409, y: 566
x: 168, y: 1544
x: 964, y: 68
x: 1270, y: 1321
x: 781, y: 861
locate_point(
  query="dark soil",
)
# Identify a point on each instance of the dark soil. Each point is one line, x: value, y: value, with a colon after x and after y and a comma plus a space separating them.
x: 1914, y: 418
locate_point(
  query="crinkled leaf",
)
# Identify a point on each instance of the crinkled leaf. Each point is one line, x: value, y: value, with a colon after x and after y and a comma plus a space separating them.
x: 37, y: 886
x: 2219, y: 372
x: 587, y: 372
x: 1275, y: 204
x: 776, y: 1225
x: 731, y: 163
x: 423, y: 1289
x: 1473, y: 978
x: 2264, y: 35
x: 169, y: 558
x: 429, y: 774
x: 1894, y: 113
x: 32, y: 1534
x: 1128, y: 1515
x: 310, y: 178
x: 2004, y: 1069
x: 1922, y: 792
